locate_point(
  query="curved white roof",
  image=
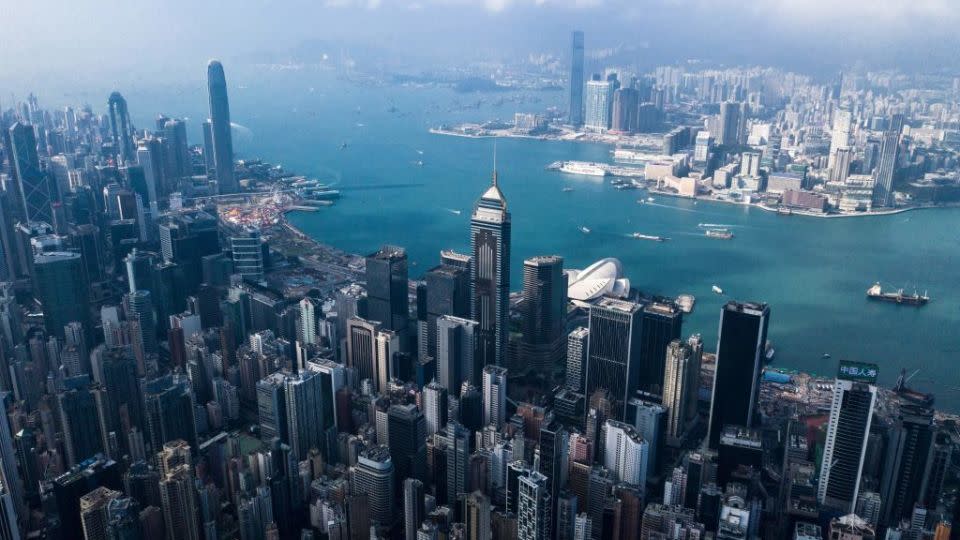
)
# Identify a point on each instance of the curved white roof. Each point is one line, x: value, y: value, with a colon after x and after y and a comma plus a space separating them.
x: 602, y: 278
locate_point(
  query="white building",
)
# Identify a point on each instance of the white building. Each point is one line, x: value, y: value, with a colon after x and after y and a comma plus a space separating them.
x: 598, y: 104
x: 625, y: 453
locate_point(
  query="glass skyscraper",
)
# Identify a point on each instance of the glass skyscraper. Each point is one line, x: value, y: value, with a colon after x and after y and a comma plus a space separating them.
x: 220, y: 128
x: 490, y: 273
x: 576, y: 80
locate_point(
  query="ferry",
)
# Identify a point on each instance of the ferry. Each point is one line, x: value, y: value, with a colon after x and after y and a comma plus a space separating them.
x: 639, y: 236
x: 567, y: 189
x: 722, y: 234
x: 717, y: 290
x: 584, y: 168
x: 768, y: 351
x: 876, y: 293
x: 585, y: 230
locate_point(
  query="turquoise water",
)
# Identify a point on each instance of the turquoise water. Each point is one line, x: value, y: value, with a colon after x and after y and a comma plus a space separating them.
x: 813, y: 272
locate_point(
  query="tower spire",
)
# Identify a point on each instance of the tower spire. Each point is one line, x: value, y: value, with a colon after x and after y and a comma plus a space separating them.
x: 494, y: 161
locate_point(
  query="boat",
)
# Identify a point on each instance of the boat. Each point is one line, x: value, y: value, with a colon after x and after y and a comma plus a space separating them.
x: 639, y: 236
x: 650, y: 199
x: 722, y: 234
x: 769, y: 352
x: 454, y: 211
x: 419, y: 163
x: 585, y: 230
x: 826, y: 356
x: 343, y: 145
x: 567, y: 189
x: 686, y: 302
x: 583, y: 167
x: 876, y: 293
x: 717, y: 290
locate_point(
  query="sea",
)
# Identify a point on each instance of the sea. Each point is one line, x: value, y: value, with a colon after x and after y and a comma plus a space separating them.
x: 402, y: 185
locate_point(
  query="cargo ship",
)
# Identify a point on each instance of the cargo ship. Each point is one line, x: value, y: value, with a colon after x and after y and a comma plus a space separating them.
x: 651, y: 237
x: 722, y: 234
x: 876, y: 293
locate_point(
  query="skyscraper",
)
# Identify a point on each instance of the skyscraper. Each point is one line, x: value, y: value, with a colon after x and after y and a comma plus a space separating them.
x: 179, y: 504
x: 373, y: 476
x: 220, y: 128
x: 736, y: 383
x: 120, y: 128
x: 577, y: 347
x: 304, y: 410
x: 362, y: 347
x: 448, y: 293
x: 907, y: 467
x: 660, y: 324
x: 490, y: 274
x: 413, y: 506
x: 435, y: 407
x: 883, y: 174
x: 386, y: 274
x: 457, y: 461
x: 456, y: 352
x: 599, y: 105
x: 36, y: 191
x: 576, y: 80
x: 476, y: 513
x: 58, y: 284
x: 680, y: 384
x: 625, y: 453
x: 78, y: 413
x: 626, y: 102
x: 93, y: 512
x: 533, y: 508
x: 614, y: 351
x: 247, y: 250
x: 494, y: 395
x: 544, y: 313
x: 407, y: 435
x: 851, y: 413
x: 730, y: 121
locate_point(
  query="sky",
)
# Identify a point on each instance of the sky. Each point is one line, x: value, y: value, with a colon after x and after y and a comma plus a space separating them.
x: 72, y: 41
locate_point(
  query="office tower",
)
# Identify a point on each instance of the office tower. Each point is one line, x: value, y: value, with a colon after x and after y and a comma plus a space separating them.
x: 35, y: 191
x: 839, y: 136
x: 177, y: 149
x: 308, y: 322
x: 387, y: 348
x: 448, y: 293
x: 304, y: 410
x: 625, y: 110
x: 476, y: 513
x: 577, y: 348
x: 150, y: 160
x: 736, y: 383
x: 413, y: 506
x: 58, y: 284
x: 435, y: 407
x: 887, y: 166
x: 93, y: 512
x: 840, y: 169
x: 123, y: 405
x: 386, y: 275
x: 575, y: 113
x: 78, y: 414
x: 681, y: 383
x: 533, y: 507
x: 625, y: 453
x: 730, y: 112
x: 407, y: 435
x: 494, y: 396
x: 906, y: 470
x: 120, y: 128
x: 179, y: 504
x: 470, y: 407
x: 456, y: 352
x: 168, y: 411
x: 140, y: 306
x: 599, y: 104
x: 362, y: 347
x: 649, y: 418
x: 660, y: 323
x: 247, y: 249
x: 373, y: 476
x: 544, y: 313
x: 613, y: 355
x: 220, y: 128
x: 271, y: 407
x: 458, y: 457
x: 490, y: 274
x: 851, y: 413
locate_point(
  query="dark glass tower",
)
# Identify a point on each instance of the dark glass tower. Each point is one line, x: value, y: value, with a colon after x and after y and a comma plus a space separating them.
x: 220, y: 128
x: 36, y: 190
x: 847, y: 433
x: 544, y: 310
x: 660, y: 324
x: 120, y: 128
x: 907, y: 467
x: 576, y: 80
x: 613, y: 355
x: 407, y: 434
x: 448, y: 293
x: 386, y: 275
x: 490, y: 273
x: 736, y: 384
x: 59, y: 285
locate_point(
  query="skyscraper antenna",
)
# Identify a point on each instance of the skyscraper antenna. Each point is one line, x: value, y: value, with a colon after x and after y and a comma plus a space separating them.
x: 494, y: 161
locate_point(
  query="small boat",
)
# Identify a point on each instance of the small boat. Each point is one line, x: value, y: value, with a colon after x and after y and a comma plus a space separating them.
x: 717, y: 290
x: 454, y: 211
x: 650, y: 199
x: 343, y: 145
x: 419, y: 163
x: 769, y: 352
x: 567, y: 189
x: 585, y: 230
x: 826, y: 356
x: 651, y: 237
x: 722, y: 234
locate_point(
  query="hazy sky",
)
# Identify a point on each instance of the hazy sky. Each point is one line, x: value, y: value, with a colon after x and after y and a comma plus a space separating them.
x: 62, y: 40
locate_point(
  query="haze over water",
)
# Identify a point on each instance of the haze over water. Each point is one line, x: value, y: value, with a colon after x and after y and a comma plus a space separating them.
x: 813, y: 272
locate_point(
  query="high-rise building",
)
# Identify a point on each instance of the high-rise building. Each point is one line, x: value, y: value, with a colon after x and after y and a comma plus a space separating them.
x: 851, y: 413
x: 413, y: 506
x: 490, y: 227
x: 247, y: 249
x: 168, y: 411
x: 660, y: 324
x: 386, y: 274
x: 178, y: 497
x: 736, y: 383
x: 613, y: 356
x: 457, y: 461
x: 120, y: 128
x: 58, y: 284
x: 476, y: 513
x: 839, y: 136
x: 576, y: 80
x: 681, y: 382
x: 362, y: 347
x: 308, y: 322
x: 533, y: 507
x: 93, y: 512
x: 221, y: 137
x: 494, y: 396
x: 178, y: 151
x: 35, y: 190
x: 305, y: 410
x: 626, y: 102
x: 373, y: 476
x: 887, y: 166
x: 577, y: 347
x: 448, y: 293
x: 840, y: 169
x: 599, y: 105
x: 78, y: 413
x: 625, y: 453
x: 906, y: 470
x: 407, y: 436
x: 544, y: 313
x: 456, y: 352
x: 730, y: 121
